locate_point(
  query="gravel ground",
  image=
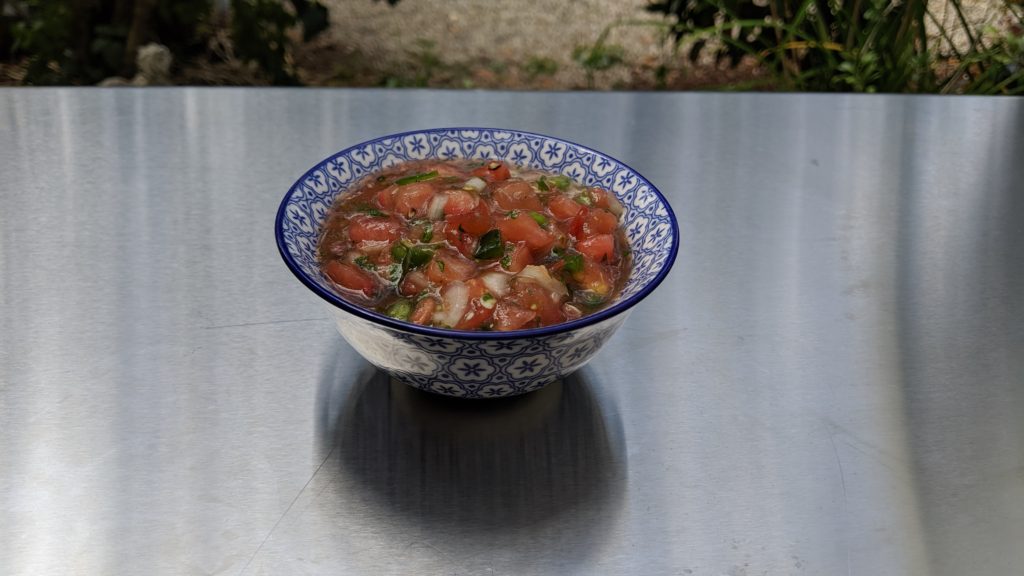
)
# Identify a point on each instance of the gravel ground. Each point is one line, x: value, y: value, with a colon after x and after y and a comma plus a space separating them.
x: 503, y: 38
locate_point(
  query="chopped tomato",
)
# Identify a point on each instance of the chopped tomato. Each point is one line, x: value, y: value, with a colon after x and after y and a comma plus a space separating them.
x: 532, y: 296
x: 386, y: 197
x: 464, y: 242
x: 424, y: 311
x: 477, y: 314
x: 476, y: 222
x: 595, y: 277
x: 448, y: 265
x: 413, y: 199
x: 599, y: 248
x: 526, y: 229
x: 576, y: 224
x: 517, y: 194
x: 414, y: 283
x: 511, y: 316
x: 493, y: 171
x: 365, y: 227
x: 460, y: 202
x: 599, y: 197
x: 564, y: 207
x: 351, y: 277
x: 518, y: 257
x: 599, y: 221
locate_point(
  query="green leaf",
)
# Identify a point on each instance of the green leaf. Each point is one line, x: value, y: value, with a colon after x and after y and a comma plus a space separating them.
x: 428, y: 232
x: 417, y: 178
x: 490, y: 245
x: 540, y: 219
x: 543, y: 184
x: 364, y: 263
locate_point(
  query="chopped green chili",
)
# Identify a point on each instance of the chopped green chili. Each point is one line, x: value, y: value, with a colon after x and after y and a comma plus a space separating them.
x: 400, y: 309
x: 417, y: 178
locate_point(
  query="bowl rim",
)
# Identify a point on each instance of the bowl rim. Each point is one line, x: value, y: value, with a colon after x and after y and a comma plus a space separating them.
x: 376, y: 318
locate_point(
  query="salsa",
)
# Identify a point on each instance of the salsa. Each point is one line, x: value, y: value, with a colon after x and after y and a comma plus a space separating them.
x: 475, y: 245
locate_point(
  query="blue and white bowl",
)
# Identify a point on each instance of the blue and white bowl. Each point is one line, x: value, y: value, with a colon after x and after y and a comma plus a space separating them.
x: 478, y: 364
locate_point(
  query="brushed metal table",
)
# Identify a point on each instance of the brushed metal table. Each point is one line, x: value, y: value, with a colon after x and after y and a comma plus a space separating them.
x: 831, y: 381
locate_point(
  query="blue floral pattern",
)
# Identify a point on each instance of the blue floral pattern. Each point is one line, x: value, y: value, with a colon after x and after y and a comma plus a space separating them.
x: 477, y: 368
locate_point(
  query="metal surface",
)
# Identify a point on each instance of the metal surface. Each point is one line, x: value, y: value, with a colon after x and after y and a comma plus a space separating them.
x: 831, y: 381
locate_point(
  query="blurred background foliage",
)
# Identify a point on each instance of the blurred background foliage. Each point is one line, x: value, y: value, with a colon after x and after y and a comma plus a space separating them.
x: 921, y: 46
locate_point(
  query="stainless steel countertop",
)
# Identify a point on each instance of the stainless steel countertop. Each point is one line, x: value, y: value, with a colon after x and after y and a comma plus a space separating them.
x: 831, y: 381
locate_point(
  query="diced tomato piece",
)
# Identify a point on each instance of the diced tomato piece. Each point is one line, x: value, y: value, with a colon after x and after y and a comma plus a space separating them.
x: 460, y: 202
x: 464, y: 242
x: 476, y: 222
x: 365, y: 227
x: 564, y: 207
x: 519, y: 257
x: 517, y: 194
x: 424, y: 311
x: 525, y: 229
x: 386, y: 197
x: 414, y: 283
x: 532, y: 296
x: 576, y: 224
x: 599, y: 221
x: 448, y: 265
x: 598, y: 278
x: 599, y: 197
x: 413, y: 199
x: 477, y: 315
x: 511, y: 316
x: 493, y: 171
x: 351, y: 277
x: 599, y: 248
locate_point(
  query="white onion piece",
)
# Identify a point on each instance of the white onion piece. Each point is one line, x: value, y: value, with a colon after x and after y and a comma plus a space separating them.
x: 476, y: 184
x: 454, y: 301
x: 496, y: 282
x: 539, y: 274
x: 436, y: 209
x: 614, y: 206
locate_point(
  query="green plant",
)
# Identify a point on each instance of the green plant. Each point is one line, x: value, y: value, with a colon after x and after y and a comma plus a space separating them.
x: 540, y: 66
x: 599, y: 56
x: 860, y: 45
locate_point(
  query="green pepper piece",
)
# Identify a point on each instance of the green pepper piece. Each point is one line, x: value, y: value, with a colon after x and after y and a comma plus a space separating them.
x: 573, y: 263
x: 540, y: 219
x: 417, y: 178
x: 400, y: 309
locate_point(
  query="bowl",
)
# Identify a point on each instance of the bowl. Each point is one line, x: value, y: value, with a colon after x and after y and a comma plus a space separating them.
x: 478, y: 364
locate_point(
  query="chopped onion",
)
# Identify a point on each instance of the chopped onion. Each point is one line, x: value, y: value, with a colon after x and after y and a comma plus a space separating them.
x: 571, y: 312
x: 496, y: 282
x: 454, y: 301
x: 539, y: 274
x: 475, y: 183
x: 436, y: 209
x: 614, y: 206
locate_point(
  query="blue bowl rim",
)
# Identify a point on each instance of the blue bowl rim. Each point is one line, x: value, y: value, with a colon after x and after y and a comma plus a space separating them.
x: 366, y: 314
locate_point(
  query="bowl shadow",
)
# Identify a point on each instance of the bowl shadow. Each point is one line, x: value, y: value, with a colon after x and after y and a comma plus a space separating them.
x: 543, y: 469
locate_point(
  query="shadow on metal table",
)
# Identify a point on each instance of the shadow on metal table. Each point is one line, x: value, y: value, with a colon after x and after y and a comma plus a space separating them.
x: 493, y: 477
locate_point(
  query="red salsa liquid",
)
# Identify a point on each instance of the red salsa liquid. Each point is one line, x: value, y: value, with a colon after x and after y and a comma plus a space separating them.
x: 475, y: 245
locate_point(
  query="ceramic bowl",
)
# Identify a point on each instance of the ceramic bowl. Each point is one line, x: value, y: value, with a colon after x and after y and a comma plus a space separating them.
x: 478, y: 364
